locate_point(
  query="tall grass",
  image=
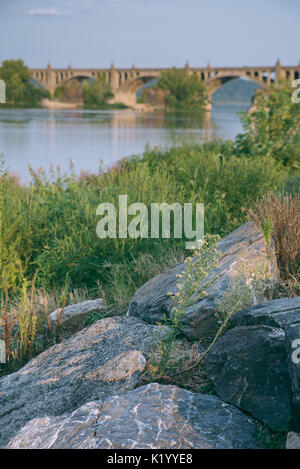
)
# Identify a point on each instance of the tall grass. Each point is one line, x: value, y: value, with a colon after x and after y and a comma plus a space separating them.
x: 278, y: 215
x: 48, y: 229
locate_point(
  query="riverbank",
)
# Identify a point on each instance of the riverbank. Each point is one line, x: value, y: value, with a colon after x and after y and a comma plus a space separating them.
x: 52, y: 104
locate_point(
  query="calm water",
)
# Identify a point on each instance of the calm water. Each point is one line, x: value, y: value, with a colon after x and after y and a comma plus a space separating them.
x: 41, y: 137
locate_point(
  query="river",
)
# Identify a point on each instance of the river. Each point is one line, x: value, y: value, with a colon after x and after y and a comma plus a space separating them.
x: 41, y: 137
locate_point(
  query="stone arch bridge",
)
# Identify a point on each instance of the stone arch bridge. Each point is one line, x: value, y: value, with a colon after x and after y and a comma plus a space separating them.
x: 125, y: 82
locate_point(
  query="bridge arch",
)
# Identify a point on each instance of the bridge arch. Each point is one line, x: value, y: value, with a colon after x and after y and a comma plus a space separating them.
x: 68, y: 79
x: 126, y: 93
x: 134, y: 84
x: 214, y: 83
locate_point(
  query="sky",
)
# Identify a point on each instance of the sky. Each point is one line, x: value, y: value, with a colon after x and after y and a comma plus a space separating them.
x: 150, y: 33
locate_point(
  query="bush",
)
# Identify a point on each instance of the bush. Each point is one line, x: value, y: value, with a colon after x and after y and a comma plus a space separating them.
x: 273, y: 128
x: 183, y: 91
x: 96, y: 93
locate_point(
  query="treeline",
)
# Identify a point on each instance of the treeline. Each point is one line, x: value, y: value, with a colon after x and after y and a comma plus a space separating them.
x: 20, y: 88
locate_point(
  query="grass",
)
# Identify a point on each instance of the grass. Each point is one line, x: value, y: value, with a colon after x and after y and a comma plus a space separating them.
x: 48, y: 229
x: 182, y: 369
x: 278, y: 216
x: 270, y: 439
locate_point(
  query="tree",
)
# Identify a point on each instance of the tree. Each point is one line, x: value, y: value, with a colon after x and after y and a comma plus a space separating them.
x: 20, y: 90
x: 273, y: 128
x: 96, y: 93
x: 183, y: 91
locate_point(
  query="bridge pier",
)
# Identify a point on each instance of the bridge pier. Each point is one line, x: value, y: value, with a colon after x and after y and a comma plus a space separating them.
x: 124, y: 97
x: 50, y: 80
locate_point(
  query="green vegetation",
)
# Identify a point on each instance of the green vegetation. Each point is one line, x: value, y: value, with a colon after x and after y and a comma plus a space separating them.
x: 188, y: 283
x: 183, y: 91
x: 273, y: 128
x: 20, y: 90
x: 48, y: 242
x: 96, y: 93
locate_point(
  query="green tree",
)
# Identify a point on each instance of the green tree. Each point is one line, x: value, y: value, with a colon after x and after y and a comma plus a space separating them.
x: 273, y: 128
x: 183, y: 91
x: 20, y: 90
x: 96, y: 93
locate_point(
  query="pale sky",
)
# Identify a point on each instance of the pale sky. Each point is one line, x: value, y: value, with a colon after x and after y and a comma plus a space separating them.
x: 150, y: 33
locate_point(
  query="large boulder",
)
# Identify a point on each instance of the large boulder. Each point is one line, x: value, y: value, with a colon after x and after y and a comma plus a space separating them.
x: 278, y: 313
x: 283, y: 314
x: 249, y: 368
x: 152, y: 416
x: 245, y: 246
x: 104, y: 359
x: 292, y: 338
x: 74, y: 314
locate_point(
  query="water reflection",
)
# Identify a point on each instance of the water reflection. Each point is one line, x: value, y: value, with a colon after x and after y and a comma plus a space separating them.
x: 41, y: 137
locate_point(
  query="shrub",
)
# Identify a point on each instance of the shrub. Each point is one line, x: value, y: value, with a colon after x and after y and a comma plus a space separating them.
x: 183, y: 91
x: 273, y: 128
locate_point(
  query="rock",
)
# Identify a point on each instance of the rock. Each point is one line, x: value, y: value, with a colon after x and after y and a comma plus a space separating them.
x: 284, y: 314
x: 74, y: 314
x: 103, y: 359
x: 278, y: 313
x: 152, y: 416
x: 292, y: 337
x: 248, y: 366
x: 293, y: 441
x: 246, y: 245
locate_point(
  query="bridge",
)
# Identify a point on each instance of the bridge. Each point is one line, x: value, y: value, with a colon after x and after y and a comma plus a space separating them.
x: 125, y: 82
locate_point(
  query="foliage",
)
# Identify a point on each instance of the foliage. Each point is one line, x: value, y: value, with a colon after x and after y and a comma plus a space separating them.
x: 191, y: 286
x: 270, y: 439
x: 183, y: 91
x: 20, y: 90
x: 280, y: 215
x: 246, y: 289
x: 213, y: 174
x: 97, y: 92
x: 59, y: 92
x: 182, y: 369
x: 24, y: 318
x: 273, y: 128
x: 49, y: 228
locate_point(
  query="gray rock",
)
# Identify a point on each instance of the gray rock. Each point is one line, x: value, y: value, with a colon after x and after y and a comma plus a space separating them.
x: 292, y: 337
x: 293, y: 441
x: 104, y: 359
x: 249, y: 368
x: 74, y: 314
x: 278, y: 313
x: 284, y: 314
x: 152, y: 416
x: 246, y: 245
